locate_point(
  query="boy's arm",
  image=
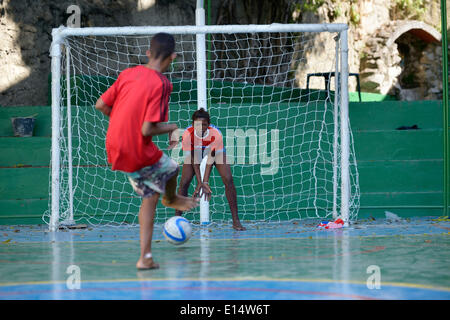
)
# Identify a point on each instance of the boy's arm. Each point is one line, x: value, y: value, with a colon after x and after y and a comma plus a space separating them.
x: 157, y: 128
x: 103, y: 107
x: 174, y: 138
x: 106, y: 101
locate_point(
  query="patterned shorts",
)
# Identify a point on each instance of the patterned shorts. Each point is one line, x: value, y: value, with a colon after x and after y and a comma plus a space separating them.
x: 152, y: 179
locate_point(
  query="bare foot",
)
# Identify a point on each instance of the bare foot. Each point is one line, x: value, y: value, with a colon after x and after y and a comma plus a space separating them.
x: 181, y: 203
x: 238, y: 227
x: 146, y: 264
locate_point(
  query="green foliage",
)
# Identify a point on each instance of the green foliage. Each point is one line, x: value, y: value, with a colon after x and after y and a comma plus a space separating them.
x: 362, y: 55
x: 409, y: 9
x: 355, y: 18
x: 337, y: 12
x: 308, y: 6
x: 313, y: 5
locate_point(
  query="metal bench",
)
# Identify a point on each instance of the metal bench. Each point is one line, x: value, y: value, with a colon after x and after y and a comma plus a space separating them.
x: 328, y: 75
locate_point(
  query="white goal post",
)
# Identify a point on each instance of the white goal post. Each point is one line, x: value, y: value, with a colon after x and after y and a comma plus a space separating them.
x: 247, y: 76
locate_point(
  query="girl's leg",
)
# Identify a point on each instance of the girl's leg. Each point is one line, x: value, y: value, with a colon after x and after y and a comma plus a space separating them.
x: 230, y: 192
x: 187, y: 174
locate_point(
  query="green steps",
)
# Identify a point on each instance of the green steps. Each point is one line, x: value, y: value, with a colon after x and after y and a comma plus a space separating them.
x: 43, y: 123
x: 22, y: 211
x: 398, y: 145
x: 24, y: 167
x: 24, y: 183
x: 24, y: 194
x: 400, y: 176
x: 399, y: 170
x: 23, y: 152
x: 390, y: 115
x: 386, y: 200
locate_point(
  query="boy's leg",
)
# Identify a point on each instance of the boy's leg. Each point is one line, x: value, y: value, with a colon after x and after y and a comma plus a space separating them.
x: 187, y: 173
x: 146, y: 221
x: 172, y: 200
x: 230, y: 192
x: 170, y: 191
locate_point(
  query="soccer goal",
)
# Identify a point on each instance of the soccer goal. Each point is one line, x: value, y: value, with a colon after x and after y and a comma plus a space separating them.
x: 290, y: 148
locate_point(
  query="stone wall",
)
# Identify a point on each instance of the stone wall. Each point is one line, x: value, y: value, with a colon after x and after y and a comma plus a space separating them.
x: 26, y: 28
x: 373, y: 53
x: 402, y: 59
x: 421, y: 77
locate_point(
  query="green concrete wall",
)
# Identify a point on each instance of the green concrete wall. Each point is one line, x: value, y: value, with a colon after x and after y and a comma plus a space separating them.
x: 218, y: 92
x: 24, y: 167
x: 399, y: 170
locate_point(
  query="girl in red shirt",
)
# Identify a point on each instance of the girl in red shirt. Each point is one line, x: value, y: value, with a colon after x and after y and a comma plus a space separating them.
x: 199, y: 140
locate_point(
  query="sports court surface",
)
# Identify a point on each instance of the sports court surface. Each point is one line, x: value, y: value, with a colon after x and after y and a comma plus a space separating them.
x: 283, y: 261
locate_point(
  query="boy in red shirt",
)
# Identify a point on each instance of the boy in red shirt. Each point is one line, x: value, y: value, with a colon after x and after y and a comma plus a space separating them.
x: 137, y: 103
x: 204, y: 139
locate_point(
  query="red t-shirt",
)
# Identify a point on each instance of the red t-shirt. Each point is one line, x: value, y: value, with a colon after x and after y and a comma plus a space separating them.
x: 139, y: 94
x: 212, y: 140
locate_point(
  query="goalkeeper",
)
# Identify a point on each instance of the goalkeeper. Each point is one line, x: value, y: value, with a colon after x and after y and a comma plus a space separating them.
x: 137, y: 104
x: 204, y: 139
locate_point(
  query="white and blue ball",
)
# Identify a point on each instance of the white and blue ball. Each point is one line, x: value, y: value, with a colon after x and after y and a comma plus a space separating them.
x: 177, y: 230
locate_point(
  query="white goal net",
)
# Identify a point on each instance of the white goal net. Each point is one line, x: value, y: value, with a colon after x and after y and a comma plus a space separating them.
x: 290, y: 148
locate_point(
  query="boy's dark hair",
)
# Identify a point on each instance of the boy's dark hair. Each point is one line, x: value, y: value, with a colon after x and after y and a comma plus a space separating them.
x: 162, y: 45
x: 201, y: 114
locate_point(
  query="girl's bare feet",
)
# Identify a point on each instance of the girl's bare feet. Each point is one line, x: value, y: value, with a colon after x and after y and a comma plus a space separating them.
x: 238, y: 227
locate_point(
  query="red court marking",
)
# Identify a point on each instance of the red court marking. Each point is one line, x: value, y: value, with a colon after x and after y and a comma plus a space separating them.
x: 208, y: 289
x: 319, y: 293
x: 274, y: 259
x: 375, y: 249
x: 442, y: 227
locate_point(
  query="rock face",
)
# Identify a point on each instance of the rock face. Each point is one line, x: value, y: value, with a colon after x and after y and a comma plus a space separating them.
x: 401, y: 60
x: 390, y: 58
x: 26, y: 27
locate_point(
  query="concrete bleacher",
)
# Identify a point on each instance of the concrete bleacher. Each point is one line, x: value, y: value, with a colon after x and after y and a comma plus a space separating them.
x: 24, y: 167
x: 399, y: 170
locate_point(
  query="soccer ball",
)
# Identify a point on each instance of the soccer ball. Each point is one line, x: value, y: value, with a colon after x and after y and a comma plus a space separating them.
x: 177, y: 230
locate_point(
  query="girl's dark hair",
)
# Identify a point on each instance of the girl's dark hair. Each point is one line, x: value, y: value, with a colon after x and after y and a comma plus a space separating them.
x: 162, y: 45
x: 201, y: 114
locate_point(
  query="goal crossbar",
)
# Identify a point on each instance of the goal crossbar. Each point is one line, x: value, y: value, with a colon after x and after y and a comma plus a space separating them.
x: 61, y: 32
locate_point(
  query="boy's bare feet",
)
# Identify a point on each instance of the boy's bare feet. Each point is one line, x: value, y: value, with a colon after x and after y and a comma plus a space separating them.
x: 146, y: 264
x: 238, y: 227
x: 181, y: 203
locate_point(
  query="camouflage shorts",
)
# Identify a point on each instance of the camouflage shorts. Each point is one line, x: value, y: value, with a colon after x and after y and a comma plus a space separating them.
x: 152, y: 179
